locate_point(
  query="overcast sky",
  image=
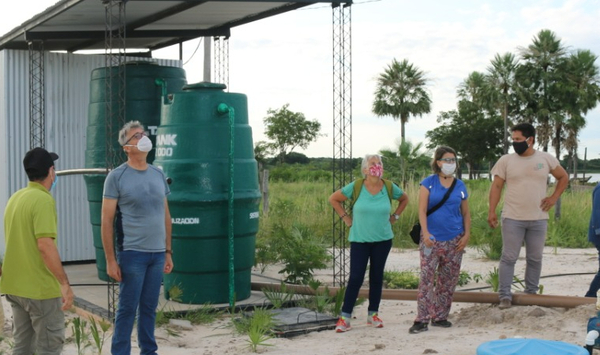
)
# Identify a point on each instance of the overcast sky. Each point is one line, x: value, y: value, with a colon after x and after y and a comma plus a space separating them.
x: 288, y: 58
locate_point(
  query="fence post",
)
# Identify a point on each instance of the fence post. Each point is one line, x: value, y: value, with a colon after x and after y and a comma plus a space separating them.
x: 265, y: 191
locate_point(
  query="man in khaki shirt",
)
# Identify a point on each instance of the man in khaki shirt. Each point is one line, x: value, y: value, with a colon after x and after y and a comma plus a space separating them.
x: 526, y: 206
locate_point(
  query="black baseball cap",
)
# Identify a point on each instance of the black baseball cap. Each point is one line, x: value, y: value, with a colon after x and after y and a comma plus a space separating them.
x: 37, y: 161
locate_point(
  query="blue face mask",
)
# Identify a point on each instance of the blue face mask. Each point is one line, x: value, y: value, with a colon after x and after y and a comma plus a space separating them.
x: 54, y: 182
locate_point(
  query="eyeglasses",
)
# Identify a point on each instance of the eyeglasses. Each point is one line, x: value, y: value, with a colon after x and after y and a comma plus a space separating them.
x: 137, y: 135
x: 448, y: 160
x: 510, y: 139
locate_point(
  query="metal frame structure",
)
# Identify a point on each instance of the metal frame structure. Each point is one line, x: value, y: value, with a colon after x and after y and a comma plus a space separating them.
x: 37, y: 114
x: 221, y: 62
x: 342, y: 129
x: 115, y: 36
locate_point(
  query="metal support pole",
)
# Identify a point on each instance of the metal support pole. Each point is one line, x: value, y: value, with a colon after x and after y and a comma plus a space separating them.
x: 114, y: 56
x: 221, y: 63
x: 207, y: 58
x: 37, y: 114
x: 342, y: 129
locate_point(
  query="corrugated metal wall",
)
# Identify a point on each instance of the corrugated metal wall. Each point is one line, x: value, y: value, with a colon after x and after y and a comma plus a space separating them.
x: 67, y: 78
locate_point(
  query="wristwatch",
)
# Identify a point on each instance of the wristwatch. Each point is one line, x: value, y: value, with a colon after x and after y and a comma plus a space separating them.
x: 396, y: 216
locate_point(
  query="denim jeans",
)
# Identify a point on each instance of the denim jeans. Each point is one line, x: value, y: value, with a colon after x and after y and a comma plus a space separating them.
x: 360, y: 254
x: 139, y: 289
x: 514, y: 232
x: 595, y: 285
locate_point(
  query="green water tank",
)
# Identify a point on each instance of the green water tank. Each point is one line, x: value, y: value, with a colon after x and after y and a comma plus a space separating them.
x: 142, y: 103
x: 192, y: 148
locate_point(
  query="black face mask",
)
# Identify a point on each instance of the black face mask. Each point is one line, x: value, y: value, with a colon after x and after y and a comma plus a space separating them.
x: 520, y: 147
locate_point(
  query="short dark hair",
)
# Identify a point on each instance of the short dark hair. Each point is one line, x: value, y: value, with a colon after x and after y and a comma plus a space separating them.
x: 439, y: 153
x: 37, y: 162
x: 525, y: 128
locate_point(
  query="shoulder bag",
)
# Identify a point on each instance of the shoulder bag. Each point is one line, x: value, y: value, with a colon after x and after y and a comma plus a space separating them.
x: 415, y: 232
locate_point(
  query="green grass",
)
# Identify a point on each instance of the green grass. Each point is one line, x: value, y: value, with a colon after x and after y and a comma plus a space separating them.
x: 297, y: 230
x: 306, y: 203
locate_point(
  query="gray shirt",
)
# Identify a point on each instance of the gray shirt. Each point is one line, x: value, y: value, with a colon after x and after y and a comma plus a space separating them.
x: 140, y: 215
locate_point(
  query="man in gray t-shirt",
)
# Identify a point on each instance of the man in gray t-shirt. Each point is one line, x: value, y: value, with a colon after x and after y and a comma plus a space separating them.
x: 136, y: 215
x: 525, y: 209
x: 140, y: 209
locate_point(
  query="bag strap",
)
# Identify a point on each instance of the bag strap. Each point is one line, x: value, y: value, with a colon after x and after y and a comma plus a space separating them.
x: 436, y: 207
x: 388, y: 186
x: 358, y: 183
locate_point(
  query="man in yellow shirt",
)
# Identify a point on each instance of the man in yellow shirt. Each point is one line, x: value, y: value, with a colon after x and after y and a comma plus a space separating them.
x: 33, y: 278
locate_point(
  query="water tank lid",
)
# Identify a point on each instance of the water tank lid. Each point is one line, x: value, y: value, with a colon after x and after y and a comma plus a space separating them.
x: 522, y: 346
x: 203, y: 85
x: 140, y: 62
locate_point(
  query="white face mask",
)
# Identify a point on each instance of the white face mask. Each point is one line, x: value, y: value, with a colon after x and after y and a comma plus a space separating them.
x: 144, y: 144
x: 448, y: 169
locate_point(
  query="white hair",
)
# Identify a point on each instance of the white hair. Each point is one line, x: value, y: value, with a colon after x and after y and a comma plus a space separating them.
x: 126, y: 128
x: 365, y: 162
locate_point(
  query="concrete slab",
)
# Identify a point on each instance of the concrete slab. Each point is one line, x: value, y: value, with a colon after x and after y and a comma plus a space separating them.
x: 299, y: 320
x: 92, y: 293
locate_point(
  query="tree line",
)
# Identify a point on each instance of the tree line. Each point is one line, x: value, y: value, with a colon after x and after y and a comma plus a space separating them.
x: 544, y: 83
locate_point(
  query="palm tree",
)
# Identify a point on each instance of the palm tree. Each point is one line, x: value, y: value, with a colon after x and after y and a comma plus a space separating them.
x: 401, y: 92
x: 501, y: 79
x: 540, y: 79
x: 583, y: 94
x: 474, y: 89
x: 407, y: 161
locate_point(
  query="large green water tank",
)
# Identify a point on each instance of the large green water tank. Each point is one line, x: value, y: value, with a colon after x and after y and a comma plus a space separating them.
x: 142, y: 103
x: 192, y: 148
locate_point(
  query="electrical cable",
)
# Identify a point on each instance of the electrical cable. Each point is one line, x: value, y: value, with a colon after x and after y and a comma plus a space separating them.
x: 195, y: 50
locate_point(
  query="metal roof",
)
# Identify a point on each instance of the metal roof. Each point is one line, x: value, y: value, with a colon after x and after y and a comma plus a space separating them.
x: 73, y: 25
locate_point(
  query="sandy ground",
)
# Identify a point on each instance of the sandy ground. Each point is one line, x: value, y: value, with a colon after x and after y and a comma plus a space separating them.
x: 474, y: 324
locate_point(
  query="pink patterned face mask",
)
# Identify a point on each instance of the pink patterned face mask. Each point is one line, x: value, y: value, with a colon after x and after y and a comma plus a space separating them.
x: 376, y: 170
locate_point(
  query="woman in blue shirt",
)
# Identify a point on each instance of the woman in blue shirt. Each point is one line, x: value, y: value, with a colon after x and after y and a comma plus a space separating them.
x: 370, y: 236
x: 444, y: 236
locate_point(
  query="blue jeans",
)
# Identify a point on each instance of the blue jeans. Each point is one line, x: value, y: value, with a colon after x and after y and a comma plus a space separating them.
x: 595, y: 285
x: 139, y: 290
x: 360, y: 254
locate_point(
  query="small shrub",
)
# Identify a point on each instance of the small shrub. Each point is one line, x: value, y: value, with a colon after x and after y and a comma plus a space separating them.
x: 206, y: 314
x: 489, y: 240
x: 257, y: 326
x: 163, y: 315
x: 464, y: 278
x: 493, y: 279
x: 401, y: 279
x: 300, y: 251
x: 98, y: 334
x: 279, y: 298
x: 80, y: 335
x: 338, y: 299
